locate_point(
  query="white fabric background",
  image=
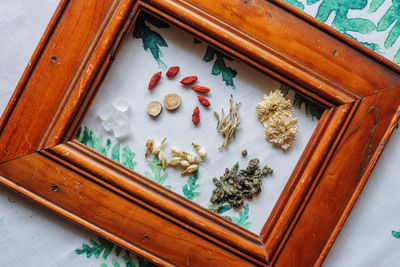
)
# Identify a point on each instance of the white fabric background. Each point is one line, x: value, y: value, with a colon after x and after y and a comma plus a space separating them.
x: 32, y: 236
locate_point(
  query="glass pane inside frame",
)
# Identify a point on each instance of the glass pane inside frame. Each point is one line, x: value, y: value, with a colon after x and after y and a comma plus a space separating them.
x: 155, y: 46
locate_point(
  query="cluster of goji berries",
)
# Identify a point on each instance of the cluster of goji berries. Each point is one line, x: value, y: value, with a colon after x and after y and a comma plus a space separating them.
x: 185, y: 81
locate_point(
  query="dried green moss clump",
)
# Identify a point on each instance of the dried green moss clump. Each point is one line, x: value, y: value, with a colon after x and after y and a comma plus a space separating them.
x: 235, y: 186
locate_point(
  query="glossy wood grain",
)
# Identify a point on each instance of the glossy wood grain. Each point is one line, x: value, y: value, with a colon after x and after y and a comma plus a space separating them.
x: 361, y: 97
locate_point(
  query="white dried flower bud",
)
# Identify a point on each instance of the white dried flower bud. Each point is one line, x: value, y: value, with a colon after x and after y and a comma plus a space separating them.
x: 202, y: 152
x: 157, y: 149
x: 149, y: 146
x: 161, y: 156
x: 192, y: 168
x: 175, y: 161
x: 175, y: 151
x: 191, y: 158
x: 185, y: 163
x: 150, y: 143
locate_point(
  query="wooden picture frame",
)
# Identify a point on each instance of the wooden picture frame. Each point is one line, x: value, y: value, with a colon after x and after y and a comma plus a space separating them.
x: 39, y: 158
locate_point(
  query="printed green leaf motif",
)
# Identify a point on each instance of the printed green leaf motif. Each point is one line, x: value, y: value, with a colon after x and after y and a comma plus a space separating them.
x: 296, y: 3
x: 97, y: 143
x: 341, y: 22
x: 190, y: 187
x: 145, y: 263
x: 151, y: 39
x: 127, y: 158
x: 375, y: 4
x: 115, y: 263
x: 243, y: 217
x: 156, y: 168
x: 97, y: 248
x: 118, y: 250
x: 312, y: 110
x: 396, y: 234
x: 284, y: 89
x: 105, y: 246
x: 392, y: 16
x: 224, y: 208
x: 115, y: 152
x: 220, y: 67
x: 396, y: 58
x: 128, y: 260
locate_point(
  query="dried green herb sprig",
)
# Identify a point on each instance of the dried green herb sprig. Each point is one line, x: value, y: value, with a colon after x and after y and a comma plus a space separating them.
x: 235, y: 186
x: 227, y: 124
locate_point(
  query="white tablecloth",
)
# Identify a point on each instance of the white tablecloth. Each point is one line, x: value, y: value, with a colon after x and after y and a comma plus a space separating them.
x: 32, y: 236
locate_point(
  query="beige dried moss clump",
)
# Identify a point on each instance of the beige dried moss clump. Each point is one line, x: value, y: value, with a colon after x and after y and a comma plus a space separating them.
x: 275, y: 113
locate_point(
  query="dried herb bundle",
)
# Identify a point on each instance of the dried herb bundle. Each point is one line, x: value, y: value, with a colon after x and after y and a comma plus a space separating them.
x: 227, y: 124
x: 235, y: 186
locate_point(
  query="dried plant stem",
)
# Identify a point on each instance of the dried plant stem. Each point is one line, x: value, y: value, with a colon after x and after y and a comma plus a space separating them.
x: 228, y: 124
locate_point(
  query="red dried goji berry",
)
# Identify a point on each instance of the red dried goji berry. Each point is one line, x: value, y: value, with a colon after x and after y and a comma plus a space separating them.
x: 188, y: 80
x: 172, y: 71
x: 201, y: 89
x: 196, y: 116
x: 154, y: 80
x: 204, y: 101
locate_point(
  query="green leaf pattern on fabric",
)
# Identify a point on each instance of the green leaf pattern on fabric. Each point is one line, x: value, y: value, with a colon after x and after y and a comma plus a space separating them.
x: 243, y: 217
x: 97, y: 248
x: 97, y: 143
x: 341, y: 22
x: 155, y: 166
x: 392, y: 16
x: 189, y: 188
x: 296, y: 3
x: 396, y: 234
x: 151, y: 39
x: 220, y: 67
x: 313, y: 110
x: 106, y: 247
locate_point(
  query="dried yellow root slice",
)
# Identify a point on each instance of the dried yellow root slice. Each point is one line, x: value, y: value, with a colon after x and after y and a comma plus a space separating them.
x: 154, y: 108
x: 172, y: 101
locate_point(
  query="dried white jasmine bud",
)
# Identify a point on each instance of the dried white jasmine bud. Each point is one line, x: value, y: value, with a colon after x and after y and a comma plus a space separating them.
x: 174, y: 161
x: 176, y: 152
x: 149, y: 146
x: 275, y: 113
x: 158, y: 147
x: 161, y: 156
x: 191, y: 158
x: 185, y: 163
x: 192, y: 168
x: 200, y: 150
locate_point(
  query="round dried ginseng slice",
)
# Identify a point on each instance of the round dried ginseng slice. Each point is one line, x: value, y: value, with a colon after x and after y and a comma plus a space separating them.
x: 172, y: 101
x: 154, y: 108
